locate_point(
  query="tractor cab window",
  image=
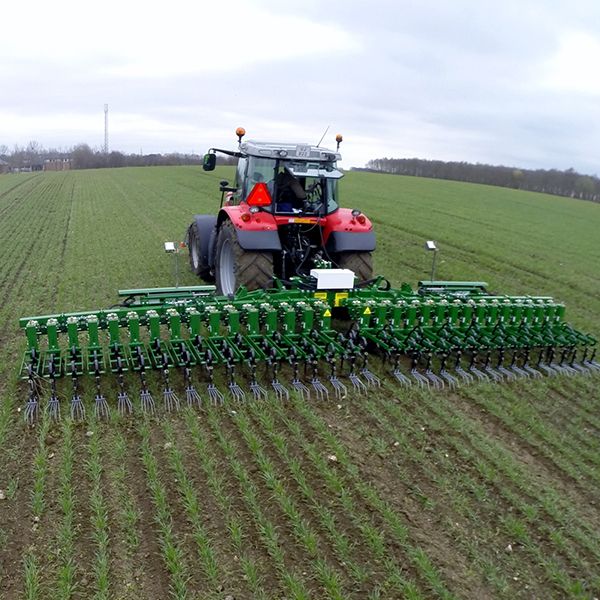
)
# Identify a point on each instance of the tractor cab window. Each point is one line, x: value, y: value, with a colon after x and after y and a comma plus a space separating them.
x: 306, y: 188
x: 240, y: 179
x: 260, y: 170
x: 321, y: 195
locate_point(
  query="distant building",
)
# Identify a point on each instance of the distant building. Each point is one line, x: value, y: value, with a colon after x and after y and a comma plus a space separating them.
x: 58, y: 164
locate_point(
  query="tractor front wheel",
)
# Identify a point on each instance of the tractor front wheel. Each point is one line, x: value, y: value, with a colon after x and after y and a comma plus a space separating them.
x: 359, y: 262
x: 235, y: 267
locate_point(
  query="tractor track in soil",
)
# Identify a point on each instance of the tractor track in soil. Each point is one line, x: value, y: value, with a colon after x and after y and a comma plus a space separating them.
x: 5, y: 193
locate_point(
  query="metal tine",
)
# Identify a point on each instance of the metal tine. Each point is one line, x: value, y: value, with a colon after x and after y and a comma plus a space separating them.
x: 466, y: 377
x: 509, y: 374
x: 53, y: 407
x: 280, y: 390
x: 214, y: 394
x: 479, y: 374
x: 32, y: 406
x: 192, y: 397
x: 447, y: 377
x: 170, y: 398
x: 258, y: 392
x: 452, y: 381
x: 77, y: 407
x: 321, y: 391
x: 301, y: 388
x: 124, y: 404
x: 438, y: 383
x: 420, y: 379
x: 580, y: 367
x: 338, y: 387
x: 297, y: 385
x: 357, y: 383
x: 372, y: 379
x: 101, y: 409
x: 518, y: 371
x: 216, y: 397
x: 236, y: 392
x: 493, y: 374
x: 400, y: 377
x: 146, y: 400
x: 533, y: 372
x: 547, y: 369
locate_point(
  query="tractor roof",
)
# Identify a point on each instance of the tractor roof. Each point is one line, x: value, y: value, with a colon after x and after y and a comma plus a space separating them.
x: 289, y: 151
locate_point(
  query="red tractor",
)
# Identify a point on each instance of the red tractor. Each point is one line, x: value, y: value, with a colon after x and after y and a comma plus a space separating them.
x: 281, y: 218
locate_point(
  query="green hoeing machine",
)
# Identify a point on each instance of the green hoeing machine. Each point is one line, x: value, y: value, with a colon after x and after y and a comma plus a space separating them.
x: 441, y: 335
x: 295, y: 309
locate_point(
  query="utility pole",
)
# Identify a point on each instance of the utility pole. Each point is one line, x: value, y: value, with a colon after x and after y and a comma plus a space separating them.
x: 106, y: 129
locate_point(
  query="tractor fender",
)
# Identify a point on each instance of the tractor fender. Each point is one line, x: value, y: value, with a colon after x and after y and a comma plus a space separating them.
x: 206, y: 227
x: 259, y: 233
x: 344, y: 233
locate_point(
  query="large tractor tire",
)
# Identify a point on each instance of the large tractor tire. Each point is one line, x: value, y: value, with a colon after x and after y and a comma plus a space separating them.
x: 235, y: 266
x: 198, y: 261
x: 359, y: 262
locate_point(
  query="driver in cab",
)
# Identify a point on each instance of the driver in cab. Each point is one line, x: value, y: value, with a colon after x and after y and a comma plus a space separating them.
x: 291, y: 195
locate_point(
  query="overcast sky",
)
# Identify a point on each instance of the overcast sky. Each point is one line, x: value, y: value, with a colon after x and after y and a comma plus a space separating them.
x: 511, y: 82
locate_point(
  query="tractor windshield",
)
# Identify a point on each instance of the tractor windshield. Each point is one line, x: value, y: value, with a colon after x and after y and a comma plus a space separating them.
x: 304, y: 188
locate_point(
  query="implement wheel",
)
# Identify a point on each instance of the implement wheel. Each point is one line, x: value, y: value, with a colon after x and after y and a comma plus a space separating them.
x: 359, y: 262
x: 198, y: 262
x: 235, y: 267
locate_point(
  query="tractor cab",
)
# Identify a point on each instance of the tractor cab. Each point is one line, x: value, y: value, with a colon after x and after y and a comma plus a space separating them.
x: 300, y: 179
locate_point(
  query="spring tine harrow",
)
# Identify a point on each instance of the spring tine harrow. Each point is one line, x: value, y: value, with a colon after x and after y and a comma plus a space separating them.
x: 434, y: 328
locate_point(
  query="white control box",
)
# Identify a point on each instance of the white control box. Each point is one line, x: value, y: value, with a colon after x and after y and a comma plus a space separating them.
x: 333, y: 279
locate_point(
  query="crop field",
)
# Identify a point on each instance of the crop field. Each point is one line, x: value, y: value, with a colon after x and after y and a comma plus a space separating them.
x: 490, y: 491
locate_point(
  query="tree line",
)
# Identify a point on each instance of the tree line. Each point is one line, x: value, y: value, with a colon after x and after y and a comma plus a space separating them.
x: 550, y: 181
x: 33, y: 156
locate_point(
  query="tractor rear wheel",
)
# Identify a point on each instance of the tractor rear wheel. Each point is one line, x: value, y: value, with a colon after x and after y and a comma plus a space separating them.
x: 235, y: 267
x: 359, y: 262
x: 198, y: 262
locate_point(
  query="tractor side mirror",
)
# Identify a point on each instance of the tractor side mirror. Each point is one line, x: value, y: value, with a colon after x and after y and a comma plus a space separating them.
x: 209, y: 162
x: 223, y: 184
